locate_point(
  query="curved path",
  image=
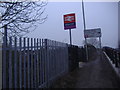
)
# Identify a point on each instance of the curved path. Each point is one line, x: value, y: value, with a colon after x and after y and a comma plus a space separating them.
x: 94, y: 74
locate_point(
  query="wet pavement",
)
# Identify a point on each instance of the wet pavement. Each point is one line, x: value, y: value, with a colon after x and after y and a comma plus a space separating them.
x: 96, y: 73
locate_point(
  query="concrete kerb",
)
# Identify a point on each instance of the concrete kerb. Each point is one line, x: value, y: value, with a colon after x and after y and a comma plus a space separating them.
x: 117, y: 70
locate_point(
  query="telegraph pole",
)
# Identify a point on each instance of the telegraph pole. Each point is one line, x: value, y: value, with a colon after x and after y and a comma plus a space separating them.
x: 84, y: 29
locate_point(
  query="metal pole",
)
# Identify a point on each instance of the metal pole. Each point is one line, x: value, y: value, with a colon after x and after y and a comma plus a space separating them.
x: 100, y: 42
x: 70, y: 37
x: 100, y: 48
x: 5, y: 34
x: 83, y: 15
x: 84, y: 30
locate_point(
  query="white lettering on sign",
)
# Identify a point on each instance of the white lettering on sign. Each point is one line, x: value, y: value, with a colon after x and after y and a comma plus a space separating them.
x: 92, y: 33
x: 69, y: 18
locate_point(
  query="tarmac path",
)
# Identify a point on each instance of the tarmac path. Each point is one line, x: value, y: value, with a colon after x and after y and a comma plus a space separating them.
x: 94, y: 74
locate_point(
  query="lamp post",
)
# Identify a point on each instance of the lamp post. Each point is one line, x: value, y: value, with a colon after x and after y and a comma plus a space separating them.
x: 84, y: 29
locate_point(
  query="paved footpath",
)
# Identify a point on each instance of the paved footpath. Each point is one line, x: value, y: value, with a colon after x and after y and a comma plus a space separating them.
x: 94, y: 74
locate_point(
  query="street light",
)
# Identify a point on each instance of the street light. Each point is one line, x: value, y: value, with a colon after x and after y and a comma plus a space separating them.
x: 84, y: 29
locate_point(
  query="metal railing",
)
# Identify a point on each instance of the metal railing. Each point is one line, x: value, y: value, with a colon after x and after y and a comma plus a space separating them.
x: 114, y: 55
x: 32, y: 63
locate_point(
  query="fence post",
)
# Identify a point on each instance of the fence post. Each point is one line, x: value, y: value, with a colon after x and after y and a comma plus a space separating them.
x: 67, y: 57
x: 56, y: 56
x: 0, y: 65
x: 119, y: 58
x: 113, y: 56
x: 47, y: 62
x: 28, y: 64
x: 34, y: 60
x: 116, y: 58
x: 20, y: 63
x: 37, y: 65
x: 31, y: 63
x: 24, y: 60
x: 15, y: 64
x: 40, y: 62
x: 4, y: 84
x: 51, y: 52
x: 10, y: 64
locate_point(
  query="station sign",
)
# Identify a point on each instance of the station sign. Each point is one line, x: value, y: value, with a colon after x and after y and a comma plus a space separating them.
x: 69, y: 21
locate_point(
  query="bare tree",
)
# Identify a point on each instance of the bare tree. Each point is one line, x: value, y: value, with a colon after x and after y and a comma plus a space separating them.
x: 22, y: 17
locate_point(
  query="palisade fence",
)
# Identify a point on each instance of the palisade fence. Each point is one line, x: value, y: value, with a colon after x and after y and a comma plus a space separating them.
x: 32, y: 63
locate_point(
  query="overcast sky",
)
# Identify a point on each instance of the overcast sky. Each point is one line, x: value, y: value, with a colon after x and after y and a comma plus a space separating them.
x: 98, y: 14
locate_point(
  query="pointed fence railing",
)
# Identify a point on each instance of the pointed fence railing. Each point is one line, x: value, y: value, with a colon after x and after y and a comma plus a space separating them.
x: 32, y: 62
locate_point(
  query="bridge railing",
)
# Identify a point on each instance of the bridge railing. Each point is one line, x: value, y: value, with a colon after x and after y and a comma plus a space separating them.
x: 114, y: 55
